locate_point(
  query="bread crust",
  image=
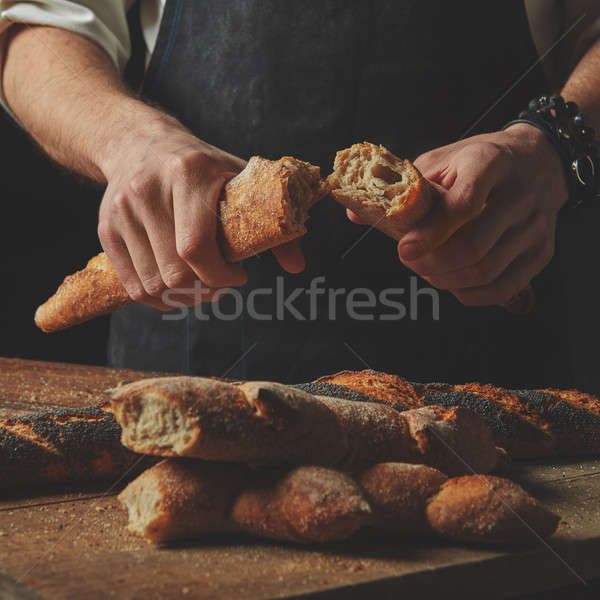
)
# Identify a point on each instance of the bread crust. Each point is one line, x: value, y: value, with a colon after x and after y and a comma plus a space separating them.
x: 402, y: 210
x: 307, y: 504
x: 572, y: 417
x: 484, y: 508
x: 263, y: 207
x: 268, y: 423
x: 454, y: 440
x: 526, y: 423
x: 254, y: 422
x: 520, y: 430
x: 388, y: 388
x: 184, y: 498
x: 398, y: 494
x: 92, y: 292
x: 267, y: 205
x: 61, y: 446
x: 178, y: 499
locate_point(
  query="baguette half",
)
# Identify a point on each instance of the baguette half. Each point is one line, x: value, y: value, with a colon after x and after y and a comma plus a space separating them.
x: 385, y: 191
x: 178, y: 499
x: 266, y: 205
x: 265, y: 423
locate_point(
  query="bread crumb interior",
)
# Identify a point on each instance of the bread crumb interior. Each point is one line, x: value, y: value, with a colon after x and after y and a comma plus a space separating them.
x: 376, y: 172
x: 154, y: 423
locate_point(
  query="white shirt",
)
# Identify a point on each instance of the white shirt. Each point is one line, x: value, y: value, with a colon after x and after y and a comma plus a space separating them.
x: 105, y: 23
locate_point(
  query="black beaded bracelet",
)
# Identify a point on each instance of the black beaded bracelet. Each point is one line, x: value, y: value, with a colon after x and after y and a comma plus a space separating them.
x: 574, y: 141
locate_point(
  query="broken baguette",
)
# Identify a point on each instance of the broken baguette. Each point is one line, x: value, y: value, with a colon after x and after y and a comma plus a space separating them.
x: 526, y: 423
x: 263, y: 207
x: 64, y: 445
x: 265, y: 423
x: 182, y: 498
x: 484, y: 508
x: 178, y: 499
x: 385, y: 191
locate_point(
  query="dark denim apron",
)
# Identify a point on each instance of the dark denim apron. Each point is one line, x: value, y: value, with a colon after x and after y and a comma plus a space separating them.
x: 309, y: 77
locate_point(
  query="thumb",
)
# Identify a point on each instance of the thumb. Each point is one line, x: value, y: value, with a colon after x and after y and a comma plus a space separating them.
x: 454, y: 207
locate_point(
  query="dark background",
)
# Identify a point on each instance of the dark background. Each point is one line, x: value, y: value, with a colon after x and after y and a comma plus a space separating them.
x: 48, y: 230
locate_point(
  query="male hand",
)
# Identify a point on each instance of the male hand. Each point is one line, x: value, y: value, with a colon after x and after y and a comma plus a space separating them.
x: 158, y: 217
x: 493, y: 225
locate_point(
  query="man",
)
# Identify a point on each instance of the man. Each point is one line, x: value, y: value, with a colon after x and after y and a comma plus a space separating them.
x: 227, y: 80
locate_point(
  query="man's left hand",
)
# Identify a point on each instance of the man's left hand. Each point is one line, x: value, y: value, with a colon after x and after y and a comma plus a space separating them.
x: 493, y: 225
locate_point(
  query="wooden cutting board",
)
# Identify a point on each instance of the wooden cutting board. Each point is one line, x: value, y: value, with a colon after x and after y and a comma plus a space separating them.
x: 72, y: 543
x: 30, y: 386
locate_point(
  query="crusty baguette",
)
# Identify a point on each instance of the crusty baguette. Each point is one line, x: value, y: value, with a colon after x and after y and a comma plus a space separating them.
x: 255, y: 423
x: 385, y: 191
x: 398, y: 494
x: 484, y: 508
x: 180, y: 498
x: 264, y: 206
x: 305, y: 504
x: 62, y: 446
x: 268, y: 423
x: 518, y: 428
x: 417, y: 499
x: 526, y: 423
x: 91, y: 292
x: 267, y: 205
x: 390, y: 389
x: 184, y: 498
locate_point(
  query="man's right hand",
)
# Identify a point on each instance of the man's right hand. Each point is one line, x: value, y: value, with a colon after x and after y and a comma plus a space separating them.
x: 158, y: 217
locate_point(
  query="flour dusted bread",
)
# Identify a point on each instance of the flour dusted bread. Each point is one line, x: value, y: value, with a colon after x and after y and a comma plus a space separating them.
x: 484, y: 508
x: 398, y: 494
x: 91, y: 292
x: 263, y: 207
x: 306, y: 504
x: 267, y: 205
x: 385, y: 191
x: 255, y: 422
x: 266, y: 423
x: 178, y: 499
x: 175, y: 500
x: 185, y: 498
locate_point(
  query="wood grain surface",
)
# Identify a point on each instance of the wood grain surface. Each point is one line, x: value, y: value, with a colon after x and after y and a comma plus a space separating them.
x: 72, y: 543
x: 30, y: 386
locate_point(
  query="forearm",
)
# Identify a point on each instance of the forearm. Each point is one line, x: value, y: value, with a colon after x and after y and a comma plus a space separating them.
x: 68, y: 94
x: 583, y: 86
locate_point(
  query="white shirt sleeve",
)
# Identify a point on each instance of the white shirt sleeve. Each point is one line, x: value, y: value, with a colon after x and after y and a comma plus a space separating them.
x: 104, y: 22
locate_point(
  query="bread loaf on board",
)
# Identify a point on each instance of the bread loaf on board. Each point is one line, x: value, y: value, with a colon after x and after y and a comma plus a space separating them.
x: 526, y: 423
x: 385, y: 191
x: 61, y: 446
x: 267, y: 423
x: 184, y: 498
x: 180, y: 498
x: 415, y: 499
x: 264, y: 206
x: 484, y: 508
